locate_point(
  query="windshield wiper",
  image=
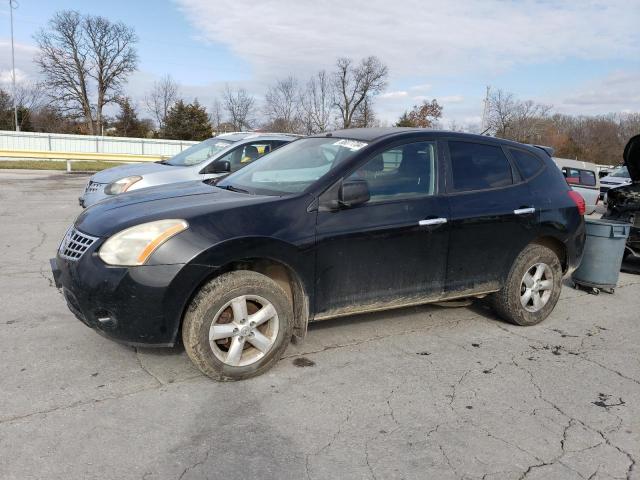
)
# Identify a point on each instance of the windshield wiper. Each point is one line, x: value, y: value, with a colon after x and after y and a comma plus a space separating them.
x: 235, y: 189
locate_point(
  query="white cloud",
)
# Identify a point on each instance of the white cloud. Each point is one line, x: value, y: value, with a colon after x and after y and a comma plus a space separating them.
x: 615, y: 92
x: 451, y: 99
x: 396, y: 94
x: 417, y: 37
x: 26, y: 69
x: 421, y: 88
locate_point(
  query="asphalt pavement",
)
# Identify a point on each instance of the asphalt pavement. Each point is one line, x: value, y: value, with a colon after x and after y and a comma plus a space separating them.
x: 418, y: 393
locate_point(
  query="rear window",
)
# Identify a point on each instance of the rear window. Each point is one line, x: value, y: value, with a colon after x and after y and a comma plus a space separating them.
x: 577, y: 176
x: 475, y: 166
x: 527, y: 163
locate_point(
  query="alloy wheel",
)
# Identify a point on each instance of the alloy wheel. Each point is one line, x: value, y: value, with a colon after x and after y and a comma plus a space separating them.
x: 244, y: 330
x: 536, y: 287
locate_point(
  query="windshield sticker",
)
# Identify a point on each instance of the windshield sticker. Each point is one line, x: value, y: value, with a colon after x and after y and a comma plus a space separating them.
x: 221, y: 144
x: 352, y: 145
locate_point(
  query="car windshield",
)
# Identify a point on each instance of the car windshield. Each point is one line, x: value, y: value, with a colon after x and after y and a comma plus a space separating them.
x: 199, y: 152
x: 293, y: 167
x: 621, y: 172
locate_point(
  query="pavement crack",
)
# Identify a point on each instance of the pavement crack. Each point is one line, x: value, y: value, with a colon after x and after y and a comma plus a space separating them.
x: 368, y: 340
x: 31, y: 253
x: 194, y: 465
x: 391, y: 412
x: 454, y: 388
x: 146, y: 370
x: 632, y: 461
x: 79, y: 403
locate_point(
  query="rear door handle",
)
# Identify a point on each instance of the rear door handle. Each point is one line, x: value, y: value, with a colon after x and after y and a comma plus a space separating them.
x: 432, y: 221
x: 524, y: 211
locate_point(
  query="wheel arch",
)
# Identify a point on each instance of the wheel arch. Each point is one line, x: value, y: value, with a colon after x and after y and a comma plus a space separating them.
x: 283, y: 273
x: 557, y: 246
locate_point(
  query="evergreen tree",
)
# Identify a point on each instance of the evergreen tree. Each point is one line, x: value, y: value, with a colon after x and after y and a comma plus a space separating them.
x: 127, y: 123
x: 187, y: 122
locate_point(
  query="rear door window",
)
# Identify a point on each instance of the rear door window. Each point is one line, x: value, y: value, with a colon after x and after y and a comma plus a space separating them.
x: 246, y: 154
x: 476, y: 166
x: 527, y: 163
x: 587, y: 178
x: 577, y: 176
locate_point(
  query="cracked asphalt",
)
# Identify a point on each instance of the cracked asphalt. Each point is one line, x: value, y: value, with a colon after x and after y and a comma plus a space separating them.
x: 424, y: 392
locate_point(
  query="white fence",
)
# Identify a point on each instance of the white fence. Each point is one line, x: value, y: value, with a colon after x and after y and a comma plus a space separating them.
x: 55, y: 142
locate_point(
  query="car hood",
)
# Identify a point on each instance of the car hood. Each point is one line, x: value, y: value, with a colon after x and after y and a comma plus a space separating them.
x: 116, y: 173
x: 176, y: 200
x: 631, y: 157
x: 610, y: 180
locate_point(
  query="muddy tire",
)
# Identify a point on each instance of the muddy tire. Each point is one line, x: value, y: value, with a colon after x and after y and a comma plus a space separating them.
x: 532, y: 288
x: 237, y: 326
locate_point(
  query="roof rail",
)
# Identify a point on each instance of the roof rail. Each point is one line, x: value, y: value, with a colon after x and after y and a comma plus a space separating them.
x: 549, y: 150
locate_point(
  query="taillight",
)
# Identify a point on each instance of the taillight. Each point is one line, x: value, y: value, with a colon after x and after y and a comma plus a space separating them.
x: 578, y: 200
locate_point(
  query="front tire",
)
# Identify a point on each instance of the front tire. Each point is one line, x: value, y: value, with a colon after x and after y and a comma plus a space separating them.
x: 532, y: 288
x: 237, y: 326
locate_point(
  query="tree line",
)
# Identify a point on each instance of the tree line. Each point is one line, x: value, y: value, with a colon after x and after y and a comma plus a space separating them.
x: 85, y: 61
x: 598, y: 139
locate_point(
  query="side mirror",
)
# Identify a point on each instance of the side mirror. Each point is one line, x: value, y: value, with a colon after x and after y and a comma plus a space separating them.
x: 353, y: 193
x: 219, y: 166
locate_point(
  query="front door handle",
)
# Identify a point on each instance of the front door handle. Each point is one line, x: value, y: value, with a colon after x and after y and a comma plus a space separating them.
x: 524, y: 211
x: 432, y: 221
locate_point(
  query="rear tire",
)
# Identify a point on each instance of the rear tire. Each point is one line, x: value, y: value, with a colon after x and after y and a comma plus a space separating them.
x: 237, y: 326
x: 532, y: 288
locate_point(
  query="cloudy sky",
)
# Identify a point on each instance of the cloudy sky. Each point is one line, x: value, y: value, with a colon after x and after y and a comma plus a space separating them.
x: 582, y: 57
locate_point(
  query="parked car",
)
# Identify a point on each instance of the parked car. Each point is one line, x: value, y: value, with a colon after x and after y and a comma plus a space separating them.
x: 583, y: 178
x: 211, y: 158
x: 620, y: 176
x: 336, y: 224
x: 623, y: 203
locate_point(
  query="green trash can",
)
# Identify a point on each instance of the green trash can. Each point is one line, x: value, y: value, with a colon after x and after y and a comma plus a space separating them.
x: 603, y: 252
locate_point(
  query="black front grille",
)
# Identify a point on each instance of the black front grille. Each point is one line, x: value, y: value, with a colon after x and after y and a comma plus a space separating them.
x: 93, y: 187
x: 74, y: 244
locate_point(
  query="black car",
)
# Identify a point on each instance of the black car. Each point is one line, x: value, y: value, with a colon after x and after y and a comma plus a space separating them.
x: 623, y: 203
x: 332, y: 225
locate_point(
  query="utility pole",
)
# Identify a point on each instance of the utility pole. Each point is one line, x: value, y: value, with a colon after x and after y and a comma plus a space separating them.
x: 13, y: 65
x: 485, y: 111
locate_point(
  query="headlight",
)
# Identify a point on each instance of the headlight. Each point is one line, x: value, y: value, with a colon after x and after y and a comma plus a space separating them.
x: 122, y: 185
x: 135, y: 245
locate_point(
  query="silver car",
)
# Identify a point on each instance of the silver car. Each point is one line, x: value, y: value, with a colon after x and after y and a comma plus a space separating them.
x: 212, y: 158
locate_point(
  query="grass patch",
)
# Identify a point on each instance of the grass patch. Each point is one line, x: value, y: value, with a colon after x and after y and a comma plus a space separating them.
x: 52, y: 165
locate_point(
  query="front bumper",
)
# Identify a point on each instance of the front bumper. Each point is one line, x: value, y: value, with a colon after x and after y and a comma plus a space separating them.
x: 87, y: 199
x: 137, y: 305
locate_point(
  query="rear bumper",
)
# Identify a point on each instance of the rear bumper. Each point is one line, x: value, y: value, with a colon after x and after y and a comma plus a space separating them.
x: 575, y: 248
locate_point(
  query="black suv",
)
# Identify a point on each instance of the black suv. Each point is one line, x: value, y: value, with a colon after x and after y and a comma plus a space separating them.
x: 341, y: 223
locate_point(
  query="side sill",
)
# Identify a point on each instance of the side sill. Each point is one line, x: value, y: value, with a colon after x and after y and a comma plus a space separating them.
x: 348, y: 311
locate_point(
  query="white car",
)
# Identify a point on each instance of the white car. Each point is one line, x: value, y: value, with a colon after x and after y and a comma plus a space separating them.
x: 583, y: 178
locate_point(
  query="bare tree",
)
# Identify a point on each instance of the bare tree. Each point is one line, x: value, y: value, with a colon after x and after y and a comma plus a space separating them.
x: 514, y: 119
x: 355, y: 83
x: 85, y: 60
x: 364, y: 116
x: 282, y: 105
x: 238, y: 104
x: 316, y: 102
x: 215, y: 117
x: 162, y: 97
